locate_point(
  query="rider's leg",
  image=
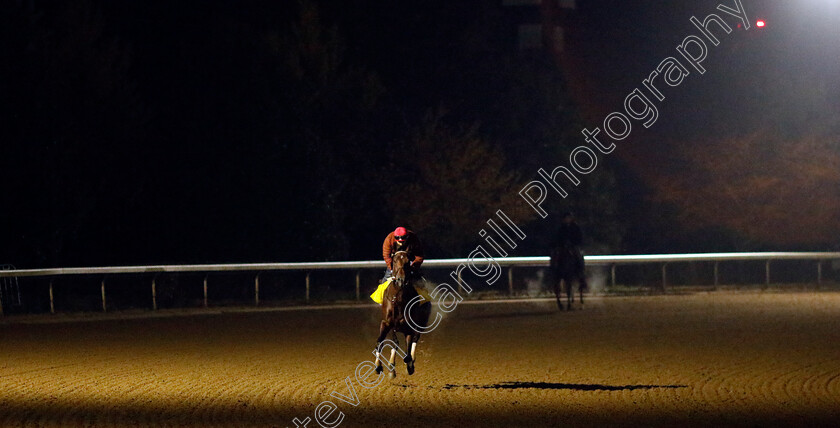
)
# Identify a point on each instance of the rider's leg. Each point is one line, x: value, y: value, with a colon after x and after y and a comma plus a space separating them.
x: 386, y: 275
x: 420, y: 284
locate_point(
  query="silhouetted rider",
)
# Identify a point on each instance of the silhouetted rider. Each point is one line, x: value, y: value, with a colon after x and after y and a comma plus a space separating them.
x: 570, y: 237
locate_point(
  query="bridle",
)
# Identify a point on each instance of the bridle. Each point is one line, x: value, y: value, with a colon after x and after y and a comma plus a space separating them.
x: 399, y: 282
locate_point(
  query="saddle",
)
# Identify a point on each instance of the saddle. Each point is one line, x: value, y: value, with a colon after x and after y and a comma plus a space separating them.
x: 379, y: 294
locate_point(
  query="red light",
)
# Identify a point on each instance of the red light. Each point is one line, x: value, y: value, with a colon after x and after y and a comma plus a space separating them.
x: 759, y: 23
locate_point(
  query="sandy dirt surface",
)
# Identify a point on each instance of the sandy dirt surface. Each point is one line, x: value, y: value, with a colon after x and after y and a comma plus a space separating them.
x: 706, y: 359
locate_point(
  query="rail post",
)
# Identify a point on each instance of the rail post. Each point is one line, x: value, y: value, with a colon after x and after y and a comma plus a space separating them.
x: 716, y: 274
x: 819, y: 272
x: 104, y: 305
x: 767, y: 273
x: 154, y: 293
x: 205, y: 291
x: 257, y: 290
x: 510, y: 280
x: 612, y: 275
x: 307, y: 285
x: 664, y: 276
x: 52, y: 304
x: 357, y: 285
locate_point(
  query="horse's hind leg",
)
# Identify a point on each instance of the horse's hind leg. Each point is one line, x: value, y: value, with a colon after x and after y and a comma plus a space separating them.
x: 410, y: 343
x: 557, y: 292
x: 570, y: 294
x: 384, y: 328
x: 411, y: 339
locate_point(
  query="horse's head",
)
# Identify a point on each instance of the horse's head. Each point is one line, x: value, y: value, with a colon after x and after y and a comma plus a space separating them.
x: 400, y: 265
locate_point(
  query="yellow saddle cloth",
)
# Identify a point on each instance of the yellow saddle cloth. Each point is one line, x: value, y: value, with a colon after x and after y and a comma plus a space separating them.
x: 380, y: 292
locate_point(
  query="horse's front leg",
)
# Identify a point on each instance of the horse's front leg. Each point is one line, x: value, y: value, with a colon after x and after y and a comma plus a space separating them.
x: 393, y: 359
x: 557, y: 292
x: 384, y: 328
x: 581, y: 286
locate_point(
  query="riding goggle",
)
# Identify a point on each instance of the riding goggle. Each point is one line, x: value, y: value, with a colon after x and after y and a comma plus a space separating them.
x: 400, y: 238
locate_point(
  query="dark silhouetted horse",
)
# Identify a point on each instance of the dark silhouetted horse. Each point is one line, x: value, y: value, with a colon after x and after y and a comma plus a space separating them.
x: 566, y: 268
x: 394, y: 305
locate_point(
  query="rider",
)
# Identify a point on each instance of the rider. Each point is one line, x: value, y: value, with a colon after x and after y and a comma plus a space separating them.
x: 402, y: 239
x: 570, y: 236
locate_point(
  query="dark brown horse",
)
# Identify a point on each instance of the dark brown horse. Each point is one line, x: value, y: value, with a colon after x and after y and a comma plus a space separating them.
x: 566, y: 269
x: 396, y: 297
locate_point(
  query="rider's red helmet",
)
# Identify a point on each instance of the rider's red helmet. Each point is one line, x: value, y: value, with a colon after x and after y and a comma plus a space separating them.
x: 400, y: 234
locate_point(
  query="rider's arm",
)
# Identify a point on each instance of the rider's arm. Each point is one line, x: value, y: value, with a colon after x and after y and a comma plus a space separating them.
x: 386, y: 249
x: 418, y: 253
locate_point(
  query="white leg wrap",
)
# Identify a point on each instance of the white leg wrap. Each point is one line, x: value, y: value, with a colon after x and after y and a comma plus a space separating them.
x: 413, y: 347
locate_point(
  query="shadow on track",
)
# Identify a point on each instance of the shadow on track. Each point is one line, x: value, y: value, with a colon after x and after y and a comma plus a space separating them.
x: 553, y: 385
x: 541, y: 313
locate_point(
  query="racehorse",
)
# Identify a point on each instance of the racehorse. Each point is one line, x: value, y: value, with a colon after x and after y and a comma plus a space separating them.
x: 566, y: 268
x: 396, y: 297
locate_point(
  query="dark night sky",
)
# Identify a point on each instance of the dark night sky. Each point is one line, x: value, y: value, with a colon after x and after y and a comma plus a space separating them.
x: 179, y: 132
x: 781, y: 80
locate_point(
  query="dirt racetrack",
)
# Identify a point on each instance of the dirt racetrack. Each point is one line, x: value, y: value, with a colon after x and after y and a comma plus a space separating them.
x: 706, y: 359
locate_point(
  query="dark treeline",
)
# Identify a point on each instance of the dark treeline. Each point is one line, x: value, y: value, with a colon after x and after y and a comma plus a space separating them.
x: 171, y: 132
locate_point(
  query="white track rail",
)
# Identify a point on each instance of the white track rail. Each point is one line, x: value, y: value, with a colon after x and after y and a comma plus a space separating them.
x: 604, y: 260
